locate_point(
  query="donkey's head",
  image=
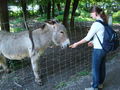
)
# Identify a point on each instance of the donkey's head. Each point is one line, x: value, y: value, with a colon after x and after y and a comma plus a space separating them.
x: 59, y: 36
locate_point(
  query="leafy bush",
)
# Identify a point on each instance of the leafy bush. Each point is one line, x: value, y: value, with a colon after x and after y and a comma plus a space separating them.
x: 40, y: 19
x: 59, y: 17
x: 117, y: 14
x: 33, y: 12
x: 15, y: 14
x: 116, y: 17
x: 80, y: 18
x: 84, y: 14
x: 17, y: 29
x: 16, y: 21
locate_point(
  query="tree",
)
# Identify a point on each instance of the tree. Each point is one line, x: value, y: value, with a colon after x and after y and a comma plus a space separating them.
x: 49, y: 10
x: 59, y: 7
x: 24, y: 8
x: 4, y: 16
x: 53, y: 8
x: 75, y: 4
x: 66, y: 13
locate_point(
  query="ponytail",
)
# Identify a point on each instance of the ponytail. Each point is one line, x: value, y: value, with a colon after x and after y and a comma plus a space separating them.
x: 104, y: 16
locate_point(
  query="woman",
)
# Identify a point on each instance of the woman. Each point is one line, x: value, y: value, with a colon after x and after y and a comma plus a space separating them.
x: 98, y: 55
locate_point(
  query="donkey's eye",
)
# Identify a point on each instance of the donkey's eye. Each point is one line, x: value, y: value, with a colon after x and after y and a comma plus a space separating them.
x: 62, y: 32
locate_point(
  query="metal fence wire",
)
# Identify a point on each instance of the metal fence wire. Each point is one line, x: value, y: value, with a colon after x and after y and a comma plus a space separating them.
x: 57, y: 66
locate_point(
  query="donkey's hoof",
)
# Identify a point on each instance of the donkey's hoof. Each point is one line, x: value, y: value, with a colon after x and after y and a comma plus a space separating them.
x: 39, y: 82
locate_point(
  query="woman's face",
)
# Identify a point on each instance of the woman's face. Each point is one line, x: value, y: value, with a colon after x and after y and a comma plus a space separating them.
x: 93, y: 15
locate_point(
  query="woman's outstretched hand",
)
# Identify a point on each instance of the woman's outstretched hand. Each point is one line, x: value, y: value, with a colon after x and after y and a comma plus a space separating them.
x: 73, y: 45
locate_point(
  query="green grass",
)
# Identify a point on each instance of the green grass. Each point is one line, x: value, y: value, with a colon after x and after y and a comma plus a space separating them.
x: 78, y: 75
x: 83, y: 73
x: 61, y: 85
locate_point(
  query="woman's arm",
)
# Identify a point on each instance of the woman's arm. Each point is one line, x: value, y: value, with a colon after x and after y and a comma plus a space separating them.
x: 77, y: 43
x: 90, y: 34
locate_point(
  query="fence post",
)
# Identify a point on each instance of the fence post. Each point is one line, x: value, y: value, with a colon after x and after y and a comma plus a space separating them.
x: 110, y: 20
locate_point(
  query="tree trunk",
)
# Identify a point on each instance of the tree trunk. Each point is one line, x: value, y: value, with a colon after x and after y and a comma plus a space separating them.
x: 58, y: 6
x: 66, y: 13
x: 4, y: 15
x: 53, y: 8
x: 24, y: 8
x: 49, y: 10
x: 75, y: 4
x: 41, y: 10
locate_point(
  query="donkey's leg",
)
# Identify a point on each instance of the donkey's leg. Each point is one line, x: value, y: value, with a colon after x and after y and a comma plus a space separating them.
x: 3, y: 64
x: 34, y: 62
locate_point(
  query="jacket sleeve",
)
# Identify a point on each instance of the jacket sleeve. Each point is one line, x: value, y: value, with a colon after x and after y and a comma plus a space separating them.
x: 92, y: 31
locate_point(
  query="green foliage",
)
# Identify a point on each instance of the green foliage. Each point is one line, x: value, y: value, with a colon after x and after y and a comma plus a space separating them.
x: 80, y: 18
x: 17, y: 21
x: 59, y: 17
x: 16, y: 29
x: 16, y: 25
x: 43, y: 2
x: 40, y: 19
x: 60, y: 1
x: 77, y: 13
x: 116, y: 17
x: 81, y: 14
x: 15, y: 14
x: 33, y: 12
x: 84, y: 14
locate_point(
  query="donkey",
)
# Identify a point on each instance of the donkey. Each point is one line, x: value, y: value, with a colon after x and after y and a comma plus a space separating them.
x: 17, y: 46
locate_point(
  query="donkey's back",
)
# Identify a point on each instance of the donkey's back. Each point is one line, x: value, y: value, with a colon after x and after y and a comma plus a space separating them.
x: 14, y: 45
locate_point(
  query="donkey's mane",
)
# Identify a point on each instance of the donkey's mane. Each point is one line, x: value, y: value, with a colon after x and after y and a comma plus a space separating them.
x: 52, y: 21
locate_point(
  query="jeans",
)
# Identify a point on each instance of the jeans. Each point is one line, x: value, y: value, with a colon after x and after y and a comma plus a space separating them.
x: 98, y: 67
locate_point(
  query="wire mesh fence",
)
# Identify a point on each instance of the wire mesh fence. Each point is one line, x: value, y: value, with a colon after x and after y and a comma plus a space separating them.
x: 57, y: 66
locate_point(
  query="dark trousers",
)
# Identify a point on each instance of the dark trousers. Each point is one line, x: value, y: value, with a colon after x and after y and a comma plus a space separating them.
x: 98, y: 67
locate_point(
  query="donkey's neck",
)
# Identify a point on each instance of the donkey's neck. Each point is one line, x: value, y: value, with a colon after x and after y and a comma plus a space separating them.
x: 42, y: 39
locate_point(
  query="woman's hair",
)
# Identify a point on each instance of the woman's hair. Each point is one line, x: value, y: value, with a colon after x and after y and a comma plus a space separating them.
x: 100, y: 12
